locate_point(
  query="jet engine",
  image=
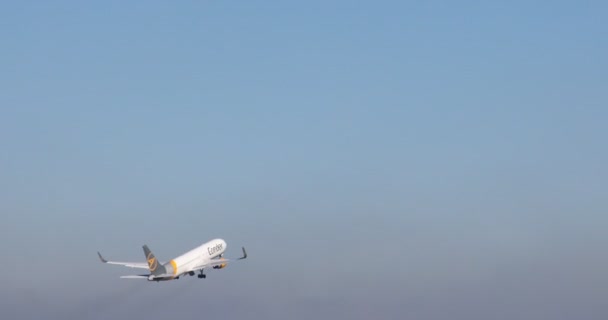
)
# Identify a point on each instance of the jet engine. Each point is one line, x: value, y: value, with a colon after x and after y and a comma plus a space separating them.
x: 220, y: 266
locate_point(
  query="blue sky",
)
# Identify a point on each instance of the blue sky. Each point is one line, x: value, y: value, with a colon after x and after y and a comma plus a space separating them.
x: 387, y: 159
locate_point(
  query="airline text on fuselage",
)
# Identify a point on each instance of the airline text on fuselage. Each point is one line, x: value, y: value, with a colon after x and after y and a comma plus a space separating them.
x: 217, y: 248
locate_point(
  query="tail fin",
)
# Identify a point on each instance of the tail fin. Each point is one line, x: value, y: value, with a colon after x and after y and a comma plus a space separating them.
x: 155, y: 267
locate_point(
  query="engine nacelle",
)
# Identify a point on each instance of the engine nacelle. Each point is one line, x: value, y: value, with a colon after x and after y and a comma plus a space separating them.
x: 221, y: 266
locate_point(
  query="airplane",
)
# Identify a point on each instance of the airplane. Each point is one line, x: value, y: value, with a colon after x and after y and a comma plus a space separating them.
x: 207, y: 255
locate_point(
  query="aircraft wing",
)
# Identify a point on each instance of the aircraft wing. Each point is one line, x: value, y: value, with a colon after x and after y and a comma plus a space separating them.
x: 217, y: 262
x: 142, y: 265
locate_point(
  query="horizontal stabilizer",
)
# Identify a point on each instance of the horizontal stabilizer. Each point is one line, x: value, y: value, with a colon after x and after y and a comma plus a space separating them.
x: 135, y: 277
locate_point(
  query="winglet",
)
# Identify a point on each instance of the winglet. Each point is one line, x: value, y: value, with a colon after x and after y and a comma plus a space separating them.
x: 244, y: 254
x: 101, y: 258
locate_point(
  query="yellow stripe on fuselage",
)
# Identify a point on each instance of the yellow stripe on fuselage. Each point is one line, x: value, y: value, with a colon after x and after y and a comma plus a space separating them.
x: 174, y: 265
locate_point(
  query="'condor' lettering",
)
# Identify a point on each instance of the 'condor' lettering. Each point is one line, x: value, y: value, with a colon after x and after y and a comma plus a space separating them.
x: 215, y: 249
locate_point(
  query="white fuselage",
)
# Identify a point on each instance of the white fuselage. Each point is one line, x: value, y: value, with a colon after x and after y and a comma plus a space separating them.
x: 198, y: 256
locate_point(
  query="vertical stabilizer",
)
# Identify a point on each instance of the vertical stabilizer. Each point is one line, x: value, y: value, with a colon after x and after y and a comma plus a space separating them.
x: 155, y: 267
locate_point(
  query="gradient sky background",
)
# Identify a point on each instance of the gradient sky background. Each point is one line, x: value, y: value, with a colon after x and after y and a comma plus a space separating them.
x: 379, y: 160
